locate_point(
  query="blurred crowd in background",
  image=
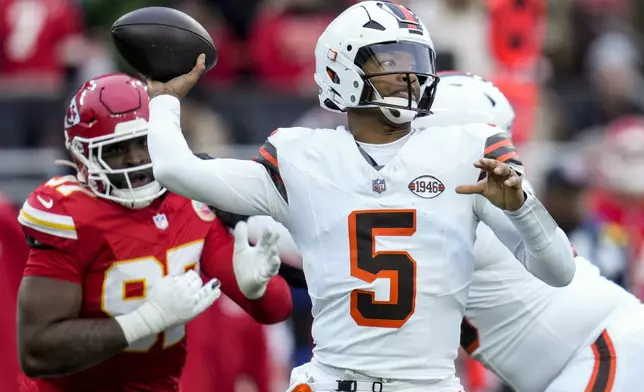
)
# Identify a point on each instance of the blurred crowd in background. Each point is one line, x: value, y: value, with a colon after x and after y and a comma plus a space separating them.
x: 572, y: 68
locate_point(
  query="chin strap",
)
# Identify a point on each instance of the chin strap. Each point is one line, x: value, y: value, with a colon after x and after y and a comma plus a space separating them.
x: 138, y: 197
x: 64, y: 162
x: 396, y: 116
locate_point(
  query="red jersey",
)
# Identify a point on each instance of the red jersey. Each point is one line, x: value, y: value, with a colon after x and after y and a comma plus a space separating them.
x: 281, y: 58
x: 116, y: 254
x: 620, y: 226
x: 32, y: 32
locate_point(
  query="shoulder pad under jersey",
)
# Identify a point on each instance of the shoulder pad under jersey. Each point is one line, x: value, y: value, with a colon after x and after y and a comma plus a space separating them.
x: 47, y: 216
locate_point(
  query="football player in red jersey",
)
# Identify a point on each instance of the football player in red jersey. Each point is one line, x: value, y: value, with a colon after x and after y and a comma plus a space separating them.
x: 108, y: 288
x: 37, y: 41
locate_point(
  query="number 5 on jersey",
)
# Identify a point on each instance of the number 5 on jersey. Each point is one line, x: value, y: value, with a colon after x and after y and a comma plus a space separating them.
x: 367, y: 264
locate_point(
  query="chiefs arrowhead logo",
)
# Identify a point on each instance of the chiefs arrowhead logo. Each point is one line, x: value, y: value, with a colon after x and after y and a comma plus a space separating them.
x: 203, y: 211
x: 73, y: 117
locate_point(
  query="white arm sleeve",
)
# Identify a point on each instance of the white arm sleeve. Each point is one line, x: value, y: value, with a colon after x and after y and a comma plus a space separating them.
x: 533, y: 237
x: 238, y: 186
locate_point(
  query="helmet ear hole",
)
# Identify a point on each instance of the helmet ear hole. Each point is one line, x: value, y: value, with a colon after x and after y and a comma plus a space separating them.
x: 333, y: 75
x: 329, y: 104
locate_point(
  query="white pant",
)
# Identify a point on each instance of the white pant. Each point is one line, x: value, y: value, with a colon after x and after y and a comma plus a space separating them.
x: 613, y: 363
x: 315, y: 377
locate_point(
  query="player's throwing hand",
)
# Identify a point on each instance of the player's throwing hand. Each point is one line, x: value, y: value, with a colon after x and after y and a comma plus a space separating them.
x: 501, y: 186
x: 181, y: 85
x: 255, y: 265
x: 173, y: 300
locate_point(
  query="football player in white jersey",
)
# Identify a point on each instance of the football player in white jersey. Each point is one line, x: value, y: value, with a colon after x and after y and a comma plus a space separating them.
x: 378, y: 210
x: 588, y: 336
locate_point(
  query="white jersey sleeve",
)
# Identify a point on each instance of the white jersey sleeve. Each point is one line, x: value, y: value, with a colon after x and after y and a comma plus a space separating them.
x: 530, y: 233
x: 239, y: 186
x: 534, y: 239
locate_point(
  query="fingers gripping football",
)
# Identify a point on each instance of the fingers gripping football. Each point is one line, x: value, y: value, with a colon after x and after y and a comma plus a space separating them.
x: 181, y: 85
x: 254, y: 266
x: 502, y: 186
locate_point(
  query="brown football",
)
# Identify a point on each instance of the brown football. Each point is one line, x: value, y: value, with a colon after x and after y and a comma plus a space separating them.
x: 161, y: 43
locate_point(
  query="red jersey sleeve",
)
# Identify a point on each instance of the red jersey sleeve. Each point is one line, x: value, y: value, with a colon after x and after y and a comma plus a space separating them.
x: 54, y: 263
x: 52, y: 234
x: 217, y: 262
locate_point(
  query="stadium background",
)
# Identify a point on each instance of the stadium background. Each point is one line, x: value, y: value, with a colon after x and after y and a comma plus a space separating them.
x: 572, y: 68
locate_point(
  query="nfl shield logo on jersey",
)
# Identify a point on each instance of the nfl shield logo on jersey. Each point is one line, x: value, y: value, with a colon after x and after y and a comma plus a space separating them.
x: 161, y: 221
x: 379, y: 185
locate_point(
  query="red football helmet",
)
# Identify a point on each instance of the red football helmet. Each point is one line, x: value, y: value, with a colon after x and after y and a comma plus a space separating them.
x: 621, y: 160
x: 106, y: 110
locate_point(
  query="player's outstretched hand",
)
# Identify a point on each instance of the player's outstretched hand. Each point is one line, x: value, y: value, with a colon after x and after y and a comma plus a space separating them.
x: 181, y: 85
x: 181, y: 298
x: 501, y: 186
x: 255, y: 265
x: 173, y: 300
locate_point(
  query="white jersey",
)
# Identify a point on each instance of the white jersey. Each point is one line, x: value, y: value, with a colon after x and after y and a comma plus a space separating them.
x: 386, y: 251
x: 384, y: 265
x: 526, y: 331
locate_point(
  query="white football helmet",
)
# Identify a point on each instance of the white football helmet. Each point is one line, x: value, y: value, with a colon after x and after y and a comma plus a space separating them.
x: 389, y: 36
x: 463, y: 98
